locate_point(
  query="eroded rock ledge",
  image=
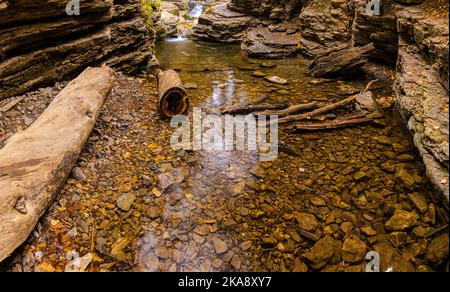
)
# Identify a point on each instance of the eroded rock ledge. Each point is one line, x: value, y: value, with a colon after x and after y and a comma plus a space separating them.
x: 40, y: 44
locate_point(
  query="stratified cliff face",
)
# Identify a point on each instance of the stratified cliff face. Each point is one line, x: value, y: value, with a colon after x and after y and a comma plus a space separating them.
x: 421, y: 86
x: 273, y: 9
x: 381, y: 30
x: 40, y: 44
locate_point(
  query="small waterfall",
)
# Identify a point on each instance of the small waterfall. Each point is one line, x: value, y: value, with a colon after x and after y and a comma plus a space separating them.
x: 179, y: 38
x: 197, y: 11
x: 182, y: 34
x: 182, y: 28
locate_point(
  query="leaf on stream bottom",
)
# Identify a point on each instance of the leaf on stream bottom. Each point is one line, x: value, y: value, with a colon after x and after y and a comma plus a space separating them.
x: 156, y: 192
x: 44, y: 267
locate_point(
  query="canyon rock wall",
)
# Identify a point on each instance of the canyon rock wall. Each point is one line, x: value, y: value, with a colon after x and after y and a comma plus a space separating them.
x: 280, y: 10
x: 40, y: 44
x: 421, y: 86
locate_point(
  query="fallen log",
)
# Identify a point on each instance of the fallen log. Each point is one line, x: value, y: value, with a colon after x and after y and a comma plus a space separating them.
x: 234, y: 107
x: 35, y: 163
x: 257, y: 108
x: 325, y: 109
x: 202, y: 70
x: 172, y: 96
x: 341, y: 61
x: 289, y: 111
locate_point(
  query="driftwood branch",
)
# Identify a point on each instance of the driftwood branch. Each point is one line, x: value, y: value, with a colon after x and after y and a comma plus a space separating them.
x: 234, y: 107
x: 289, y: 111
x: 257, y: 108
x: 35, y: 163
x: 323, y: 110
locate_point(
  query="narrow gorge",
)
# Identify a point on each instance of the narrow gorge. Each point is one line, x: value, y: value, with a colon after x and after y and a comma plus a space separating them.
x: 90, y: 102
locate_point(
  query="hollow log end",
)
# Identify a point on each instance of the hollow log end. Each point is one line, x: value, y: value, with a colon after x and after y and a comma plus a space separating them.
x: 174, y: 102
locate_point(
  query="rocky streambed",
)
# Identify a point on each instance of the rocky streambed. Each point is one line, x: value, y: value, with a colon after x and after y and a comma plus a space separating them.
x: 411, y: 36
x: 134, y: 204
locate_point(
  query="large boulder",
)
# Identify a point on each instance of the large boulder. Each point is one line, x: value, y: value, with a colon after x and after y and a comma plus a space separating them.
x: 324, y: 25
x: 260, y: 42
x: 220, y: 24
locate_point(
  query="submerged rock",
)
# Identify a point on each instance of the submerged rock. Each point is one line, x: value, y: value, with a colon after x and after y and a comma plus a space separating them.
x: 353, y: 250
x: 307, y: 221
x: 276, y: 80
x: 220, y: 246
x: 391, y: 260
x: 438, y: 249
x: 300, y: 266
x: 419, y: 201
x: 321, y: 252
x: 125, y: 201
x: 190, y: 86
x: 404, y: 178
x: 401, y: 220
x: 79, y: 264
x: 78, y: 174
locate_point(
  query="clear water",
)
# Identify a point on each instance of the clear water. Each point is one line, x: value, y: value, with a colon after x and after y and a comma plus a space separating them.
x: 227, y: 211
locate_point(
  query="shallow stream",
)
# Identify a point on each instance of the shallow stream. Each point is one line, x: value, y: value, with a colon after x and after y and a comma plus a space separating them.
x: 146, y: 207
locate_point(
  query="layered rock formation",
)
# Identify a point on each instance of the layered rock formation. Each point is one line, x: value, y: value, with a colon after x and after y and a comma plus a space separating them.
x: 40, y: 44
x: 381, y: 30
x: 272, y: 42
x: 422, y: 86
x: 221, y: 24
x: 266, y: 29
x: 273, y: 9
